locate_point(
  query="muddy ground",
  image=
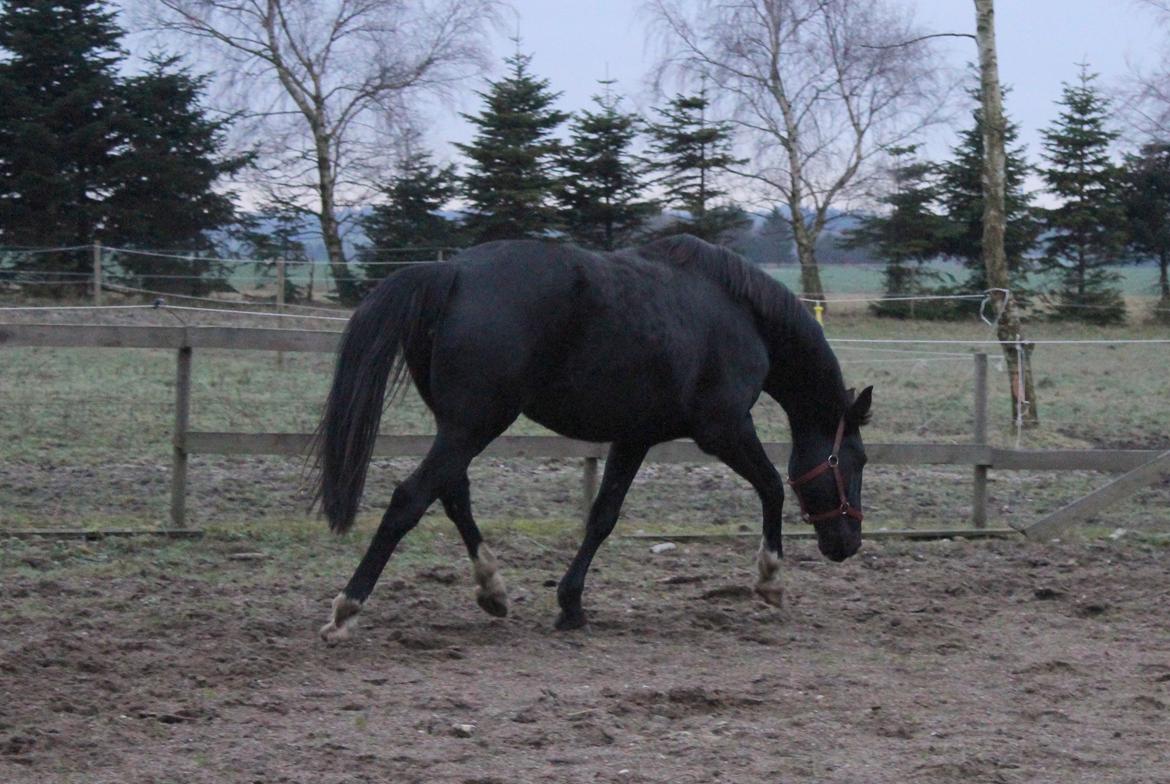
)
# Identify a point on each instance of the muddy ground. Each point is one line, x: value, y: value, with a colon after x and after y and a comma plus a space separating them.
x: 146, y: 661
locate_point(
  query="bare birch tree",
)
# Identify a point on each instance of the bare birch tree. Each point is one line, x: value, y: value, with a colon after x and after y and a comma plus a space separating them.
x: 820, y: 87
x: 329, y: 81
x: 1016, y: 353
x: 1149, y: 101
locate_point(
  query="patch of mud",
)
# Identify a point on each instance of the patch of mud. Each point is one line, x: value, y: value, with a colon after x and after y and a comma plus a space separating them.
x: 911, y: 662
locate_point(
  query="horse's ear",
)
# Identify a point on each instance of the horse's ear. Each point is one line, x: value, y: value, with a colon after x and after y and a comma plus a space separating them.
x: 858, y: 413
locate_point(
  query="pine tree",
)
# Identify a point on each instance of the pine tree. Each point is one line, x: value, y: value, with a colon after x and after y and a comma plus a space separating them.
x: 274, y: 234
x: 960, y: 195
x: 1147, y: 207
x: 87, y: 155
x: 1085, y: 233
x: 602, y: 185
x: 409, y: 217
x: 910, y: 234
x: 768, y: 241
x: 164, y: 193
x: 58, y: 124
x: 693, y: 151
x: 510, y: 180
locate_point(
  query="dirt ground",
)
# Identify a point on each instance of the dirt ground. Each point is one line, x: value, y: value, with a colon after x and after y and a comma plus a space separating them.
x: 147, y: 661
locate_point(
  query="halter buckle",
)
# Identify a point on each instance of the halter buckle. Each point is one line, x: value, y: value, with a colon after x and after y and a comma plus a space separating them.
x: 832, y: 463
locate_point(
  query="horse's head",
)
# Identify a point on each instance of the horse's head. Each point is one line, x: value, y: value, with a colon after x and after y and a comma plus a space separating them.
x: 824, y: 472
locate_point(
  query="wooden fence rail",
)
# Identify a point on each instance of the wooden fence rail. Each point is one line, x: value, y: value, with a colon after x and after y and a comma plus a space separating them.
x: 1139, y: 466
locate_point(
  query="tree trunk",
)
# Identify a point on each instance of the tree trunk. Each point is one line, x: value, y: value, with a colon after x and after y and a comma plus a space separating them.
x: 1162, y: 313
x: 347, y: 288
x: 1081, y: 275
x: 994, y: 257
x: 810, y: 275
x: 312, y: 282
x: 348, y: 292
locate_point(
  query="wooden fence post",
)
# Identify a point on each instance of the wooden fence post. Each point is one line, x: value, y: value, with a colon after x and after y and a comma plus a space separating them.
x: 97, y: 272
x: 182, y: 422
x: 280, y: 273
x: 979, y: 500
x: 588, y: 487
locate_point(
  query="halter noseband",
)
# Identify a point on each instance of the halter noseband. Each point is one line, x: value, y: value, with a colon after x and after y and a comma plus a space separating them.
x: 831, y: 463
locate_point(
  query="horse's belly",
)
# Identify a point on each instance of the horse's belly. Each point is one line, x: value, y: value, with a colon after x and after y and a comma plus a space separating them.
x: 589, y: 416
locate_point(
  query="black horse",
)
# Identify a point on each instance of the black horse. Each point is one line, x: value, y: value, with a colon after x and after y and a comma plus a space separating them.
x: 675, y: 339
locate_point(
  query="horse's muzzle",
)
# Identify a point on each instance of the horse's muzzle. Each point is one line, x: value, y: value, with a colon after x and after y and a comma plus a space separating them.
x: 837, y: 554
x: 840, y: 539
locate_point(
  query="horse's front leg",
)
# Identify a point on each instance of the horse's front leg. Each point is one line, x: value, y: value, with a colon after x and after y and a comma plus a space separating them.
x: 743, y: 453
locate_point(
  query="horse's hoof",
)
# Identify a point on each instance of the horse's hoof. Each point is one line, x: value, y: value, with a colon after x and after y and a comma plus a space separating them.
x: 493, y: 604
x: 771, y: 593
x: 332, y: 634
x: 338, y: 628
x: 568, y: 621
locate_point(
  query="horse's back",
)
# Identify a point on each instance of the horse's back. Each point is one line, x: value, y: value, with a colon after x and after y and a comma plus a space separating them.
x: 594, y: 346
x: 515, y: 301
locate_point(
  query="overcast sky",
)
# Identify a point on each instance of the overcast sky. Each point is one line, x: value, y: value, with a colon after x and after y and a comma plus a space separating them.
x: 575, y: 43
x: 1040, y: 41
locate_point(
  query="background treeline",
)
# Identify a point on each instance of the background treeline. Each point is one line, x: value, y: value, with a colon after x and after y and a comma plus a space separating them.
x: 89, y: 154
x: 1062, y: 258
x: 139, y: 162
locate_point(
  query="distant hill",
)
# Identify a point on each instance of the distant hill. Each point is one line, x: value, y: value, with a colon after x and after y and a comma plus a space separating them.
x: 754, y: 242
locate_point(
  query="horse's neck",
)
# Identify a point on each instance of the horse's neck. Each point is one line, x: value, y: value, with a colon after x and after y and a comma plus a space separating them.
x: 806, y: 379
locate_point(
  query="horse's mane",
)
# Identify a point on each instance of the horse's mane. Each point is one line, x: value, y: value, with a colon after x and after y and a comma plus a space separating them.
x: 771, y: 301
x: 789, y: 324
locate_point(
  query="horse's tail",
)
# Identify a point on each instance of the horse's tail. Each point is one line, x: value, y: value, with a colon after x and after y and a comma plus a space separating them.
x: 395, y: 320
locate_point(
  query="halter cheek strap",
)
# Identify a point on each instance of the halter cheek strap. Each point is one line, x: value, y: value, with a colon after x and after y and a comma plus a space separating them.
x: 831, y: 463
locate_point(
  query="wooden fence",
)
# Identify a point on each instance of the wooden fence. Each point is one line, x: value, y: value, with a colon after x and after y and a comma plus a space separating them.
x: 1138, y: 467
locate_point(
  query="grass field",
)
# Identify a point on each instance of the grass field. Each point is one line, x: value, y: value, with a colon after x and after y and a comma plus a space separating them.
x: 86, y: 432
x: 837, y: 278
x: 840, y: 279
x: 1137, y: 282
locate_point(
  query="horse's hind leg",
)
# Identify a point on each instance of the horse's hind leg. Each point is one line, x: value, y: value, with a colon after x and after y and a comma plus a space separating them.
x: 490, y: 592
x: 621, y: 465
x: 439, y: 472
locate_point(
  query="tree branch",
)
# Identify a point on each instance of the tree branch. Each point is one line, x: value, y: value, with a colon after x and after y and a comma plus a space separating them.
x: 919, y: 39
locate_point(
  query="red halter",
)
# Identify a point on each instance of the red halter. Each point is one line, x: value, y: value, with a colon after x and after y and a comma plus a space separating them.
x: 830, y: 464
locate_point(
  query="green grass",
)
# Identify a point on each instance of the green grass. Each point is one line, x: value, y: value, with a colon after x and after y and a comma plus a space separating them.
x: 289, y: 544
x: 85, y: 434
x: 83, y: 405
x: 843, y: 279
x: 840, y: 280
x: 1099, y: 395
